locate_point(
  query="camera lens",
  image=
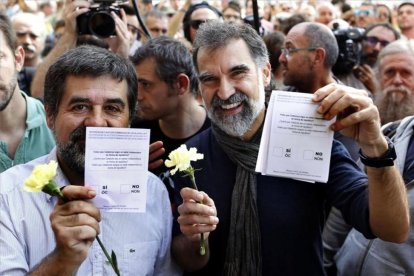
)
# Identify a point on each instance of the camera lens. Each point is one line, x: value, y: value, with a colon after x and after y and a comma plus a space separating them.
x: 102, y: 24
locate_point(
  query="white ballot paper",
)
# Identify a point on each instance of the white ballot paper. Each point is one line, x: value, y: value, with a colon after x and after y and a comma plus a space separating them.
x: 116, y: 166
x: 296, y: 140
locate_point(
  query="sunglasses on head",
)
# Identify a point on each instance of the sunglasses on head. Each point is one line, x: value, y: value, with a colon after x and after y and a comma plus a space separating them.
x: 195, y: 24
x: 374, y: 41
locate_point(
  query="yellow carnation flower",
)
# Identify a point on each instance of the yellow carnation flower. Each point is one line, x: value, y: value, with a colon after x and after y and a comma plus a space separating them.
x: 40, y: 177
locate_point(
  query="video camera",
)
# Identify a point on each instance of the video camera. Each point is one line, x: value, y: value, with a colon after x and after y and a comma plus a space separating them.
x: 98, y: 20
x: 349, y: 44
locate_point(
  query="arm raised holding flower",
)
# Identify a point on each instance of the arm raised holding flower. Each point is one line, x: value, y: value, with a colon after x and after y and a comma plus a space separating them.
x: 76, y: 225
x: 198, y: 214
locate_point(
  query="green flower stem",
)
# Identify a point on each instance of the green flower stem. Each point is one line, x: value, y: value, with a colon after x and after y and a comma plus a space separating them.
x: 112, y: 262
x: 52, y: 189
x: 190, y: 172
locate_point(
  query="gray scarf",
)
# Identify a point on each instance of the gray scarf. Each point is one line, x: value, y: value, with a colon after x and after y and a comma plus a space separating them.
x: 243, y: 253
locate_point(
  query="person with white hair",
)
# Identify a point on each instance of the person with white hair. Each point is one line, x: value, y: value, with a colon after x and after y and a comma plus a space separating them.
x: 395, y: 98
x: 325, y: 13
x: 30, y: 32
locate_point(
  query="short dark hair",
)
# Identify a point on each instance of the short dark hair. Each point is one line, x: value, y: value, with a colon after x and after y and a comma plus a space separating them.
x: 189, y: 12
x: 88, y: 61
x: 384, y: 25
x: 320, y: 36
x: 7, y: 30
x: 171, y: 59
x: 274, y: 43
x: 214, y: 34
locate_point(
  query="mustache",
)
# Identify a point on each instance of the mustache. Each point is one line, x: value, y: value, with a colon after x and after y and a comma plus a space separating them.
x: 29, y: 48
x: 78, y: 134
x: 235, y: 98
x: 393, y: 88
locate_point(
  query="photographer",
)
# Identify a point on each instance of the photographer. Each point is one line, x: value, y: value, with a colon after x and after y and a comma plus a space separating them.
x: 355, y: 67
x: 74, y: 8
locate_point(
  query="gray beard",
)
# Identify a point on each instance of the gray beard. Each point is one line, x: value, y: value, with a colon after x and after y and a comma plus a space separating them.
x: 392, y: 109
x: 240, y: 123
x: 71, y: 153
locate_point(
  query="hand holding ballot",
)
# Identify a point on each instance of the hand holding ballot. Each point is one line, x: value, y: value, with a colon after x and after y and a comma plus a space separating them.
x: 357, y: 116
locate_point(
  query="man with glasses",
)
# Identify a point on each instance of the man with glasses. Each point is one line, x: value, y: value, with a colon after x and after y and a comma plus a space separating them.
x: 365, y: 15
x: 352, y: 253
x: 375, y: 38
x: 195, y: 16
x: 264, y: 225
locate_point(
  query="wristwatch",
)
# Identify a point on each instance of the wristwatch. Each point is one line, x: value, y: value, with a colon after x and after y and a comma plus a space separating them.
x: 386, y: 160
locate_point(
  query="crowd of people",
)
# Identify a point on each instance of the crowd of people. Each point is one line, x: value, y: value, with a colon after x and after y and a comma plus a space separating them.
x: 201, y: 73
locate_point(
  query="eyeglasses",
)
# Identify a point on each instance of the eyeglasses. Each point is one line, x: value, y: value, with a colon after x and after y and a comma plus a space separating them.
x: 374, y: 41
x: 383, y: 14
x: 364, y: 13
x: 195, y: 24
x: 288, y: 51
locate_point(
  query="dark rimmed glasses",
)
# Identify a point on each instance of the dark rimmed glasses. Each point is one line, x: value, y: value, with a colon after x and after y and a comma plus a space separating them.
x: 288, y: 51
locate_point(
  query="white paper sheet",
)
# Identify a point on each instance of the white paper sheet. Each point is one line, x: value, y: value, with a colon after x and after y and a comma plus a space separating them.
x: 116, y: 166
x: 296, y: 140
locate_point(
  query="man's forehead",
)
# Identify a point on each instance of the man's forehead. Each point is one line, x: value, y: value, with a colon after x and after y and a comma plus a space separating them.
x: 382, y: 32
x: 25, y: 27
x: 210, y: 59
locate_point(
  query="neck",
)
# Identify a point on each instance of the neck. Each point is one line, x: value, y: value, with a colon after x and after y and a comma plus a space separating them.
x: 186, y: 121
x: 31, y: 62
x: 255, y: 126
x: 326, y: 79
x: 408, y: 32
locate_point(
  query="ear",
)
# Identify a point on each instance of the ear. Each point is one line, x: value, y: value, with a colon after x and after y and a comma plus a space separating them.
x: 266, y: 70
x: 49, y: 117
x: 320, y: 55
x: 182, y: 83
x: 19, y: 58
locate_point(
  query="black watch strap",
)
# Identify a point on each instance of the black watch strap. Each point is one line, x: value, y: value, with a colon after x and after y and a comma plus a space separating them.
x: 386, y: 160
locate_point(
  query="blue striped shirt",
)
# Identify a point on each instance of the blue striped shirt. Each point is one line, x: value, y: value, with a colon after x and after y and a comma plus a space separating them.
x: 141, y: 241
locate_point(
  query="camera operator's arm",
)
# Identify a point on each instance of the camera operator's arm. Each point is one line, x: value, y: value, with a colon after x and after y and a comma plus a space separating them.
x: 119, y: 44
x: 177, y: 19
x: 366, y: 75
x: 71, y: 10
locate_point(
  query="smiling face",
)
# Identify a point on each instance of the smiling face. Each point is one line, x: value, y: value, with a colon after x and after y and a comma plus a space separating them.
x: 87, y: 101
x: 232, y: 87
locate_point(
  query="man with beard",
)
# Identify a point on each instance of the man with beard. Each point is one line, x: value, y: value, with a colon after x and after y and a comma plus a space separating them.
x: 375, y: 38
x: 271, y: 225
x: 351, y: 252
x: 41, y: 235
x: 70, y: 39
x: 31, y: 33
x: 395, y: 100
x: 24, y: 134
